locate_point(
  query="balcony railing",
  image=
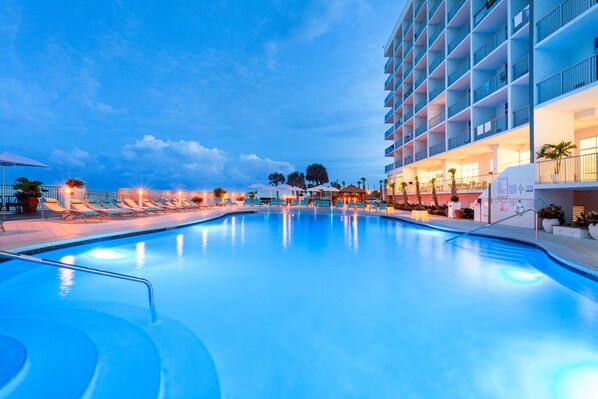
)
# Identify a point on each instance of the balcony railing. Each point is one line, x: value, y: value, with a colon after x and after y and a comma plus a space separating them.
x: 419, y: 7
x: 485, y: 10
x: 420, y: 105
x: 437, y: 90
x: 421, y: 130
x: 455, y: 9
x: 521, y: 67
x: 398, y: 83
x: 389, y: 132
x: 408, y: 159
x: 408, y: 69
x: 419, y: 31
x: 388, y: 63
x: 408, y: 47
x: 398, y: 124
x: 420, y: 55
x: 461, y: 139
x: 580, y: 168
x: 388, y: 115
x: 491, y: 128
x: 389, y: 149
x: 520, y: 19
x: 521, y: 116
x: 437, y: 149
x: 469, y: 183
x: 420, y: 80
x: 397, y: 105
x: 389, y: 167
x: 459, y: 105
x: 388, y: 81
x: 570, y: 79
x: 421, y: 155
x: 409, y: 23
x: 408, y: 93
x: 433, y: 8
x: 490, y: 86
x: 437, y: 61
x: 460, y: 71
x: 407, y: 138
x: 561, y: 16
x: 435, y: 120
x: 398, y: 163
x: 462, y: 34
x: 491, y: 44
x: 434, y: 33
x: 388, y: 97
x: 397, y: 44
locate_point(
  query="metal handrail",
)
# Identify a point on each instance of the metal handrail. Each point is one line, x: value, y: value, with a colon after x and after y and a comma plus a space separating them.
x: 498, y: 221
x: 34, y: 259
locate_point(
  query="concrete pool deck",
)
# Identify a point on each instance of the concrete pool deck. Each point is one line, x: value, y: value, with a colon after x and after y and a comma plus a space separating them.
x: 35, y: 234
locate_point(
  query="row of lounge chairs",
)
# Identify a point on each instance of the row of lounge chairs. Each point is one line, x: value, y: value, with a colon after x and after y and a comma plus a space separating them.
x: 117, y: 208
x: 316, y: 204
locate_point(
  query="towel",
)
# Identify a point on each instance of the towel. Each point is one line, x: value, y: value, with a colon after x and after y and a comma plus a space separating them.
x: 487, y: 126
x: 518, y: 19
x: 480, y: 130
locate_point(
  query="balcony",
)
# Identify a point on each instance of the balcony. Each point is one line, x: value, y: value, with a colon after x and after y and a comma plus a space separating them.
x: 455, y: 9
x: 388, y: 132
x: 469, y: 183
x: 459, y: 105
x: 388, y: 63
x: 437, y: 90
x: 397, y: 105
x: 419, y: 31
x: 521, y: 19
x: 521, y: 67
x: 433, y: 8
x: 462, y: 34
x: 484, y: 11
x: 437, y: 149
x: 398, y: 83
x: 397, y: 44
x: 419, y: 56
x: 460, y: 71
x: 389, y: 167
x: 387, y: 81
x: 408, y: 115
x: 491, y: 44
x: 421, y: 155
x: 491, y: 128
x: 407, y: 138
x: 419, y: 7
x: 461, y: 139
x: 490, y: 86
x: 407, y: 48
x: 398, y: 124
x: 437, y: 61
x: 408, y: 69
x: 561, y: 16
x: 420, y: 105
x: 421, y: 130
x: 437, y: 119
x: 577, y: 169
x: 408, y: 159
x: 409, y: 23
x: 521, y: 116
x: 388, y: 97
x: 388, y: 116
x: 408, y: 93
x: 434, y: 33
x: 570, y: 79
x: 420, y: 80
x: 389, y: 149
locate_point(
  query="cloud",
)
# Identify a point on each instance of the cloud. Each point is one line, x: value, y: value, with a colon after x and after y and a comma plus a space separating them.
x: 75, y: 158
x: 250, y: 168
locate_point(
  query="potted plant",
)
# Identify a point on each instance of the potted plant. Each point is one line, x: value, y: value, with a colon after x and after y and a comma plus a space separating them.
x: 197, y: 199
x: 28, y: 193
x: 77, y: 187
x: 454, y: 203
x: 552, y: 215
x: 555, y: 152
x: 459, y: 214
x: 592, y: 218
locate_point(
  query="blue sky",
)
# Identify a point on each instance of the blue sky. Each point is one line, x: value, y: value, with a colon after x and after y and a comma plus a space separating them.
x: 193, y: 94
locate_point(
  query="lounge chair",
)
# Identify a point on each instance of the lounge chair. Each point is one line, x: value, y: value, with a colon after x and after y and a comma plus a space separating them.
x: 294, y: 203
x: 218, y: 202
x: 106, y: 204
x: 351, y: 205
x: 52, y: 205
x: 134, y: 207
x: 165, y: 204
x: 339, y: 205
x: 247, y: 201
x: 325, y: 204
x: 151, y: 207
x: 382, y: 207
x: 257, y: 201
x: 373, y: 206
x: 180, y: 204
x: 316, y: 203
x: 2, y: 226
x: 360, y: 205
x: 304, y: 203
x: 79, y: 206
x: 95, y: 206
x: 230, y: 202
x: 194, y: 205
x: 273, y: 202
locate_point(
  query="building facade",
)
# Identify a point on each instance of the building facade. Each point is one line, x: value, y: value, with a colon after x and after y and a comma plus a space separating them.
x: 481, y: 85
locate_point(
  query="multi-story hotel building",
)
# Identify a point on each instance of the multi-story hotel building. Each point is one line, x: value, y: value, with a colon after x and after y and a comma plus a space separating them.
x: 480, y: 86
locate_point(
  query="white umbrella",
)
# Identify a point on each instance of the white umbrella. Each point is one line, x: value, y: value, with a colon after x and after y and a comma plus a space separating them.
x: 259, y: 186
x: 8, y: 159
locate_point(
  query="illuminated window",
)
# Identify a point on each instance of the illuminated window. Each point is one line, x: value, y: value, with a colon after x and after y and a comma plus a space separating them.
x: 469, y: 170
x: 491, y: 165
x: 588, y: 146
x: 524, y: 157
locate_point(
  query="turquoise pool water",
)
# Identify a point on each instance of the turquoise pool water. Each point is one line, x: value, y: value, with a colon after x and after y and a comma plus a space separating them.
x: 298, y: 305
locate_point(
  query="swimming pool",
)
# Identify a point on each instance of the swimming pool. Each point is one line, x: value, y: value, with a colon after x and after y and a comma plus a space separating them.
x: 303, y: 305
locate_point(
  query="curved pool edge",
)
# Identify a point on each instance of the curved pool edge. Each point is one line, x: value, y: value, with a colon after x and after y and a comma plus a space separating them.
x: 37, y: 249
x: 574, y: 267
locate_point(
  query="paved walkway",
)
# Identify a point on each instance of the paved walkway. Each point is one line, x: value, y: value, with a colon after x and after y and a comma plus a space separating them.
x: 30, y: 234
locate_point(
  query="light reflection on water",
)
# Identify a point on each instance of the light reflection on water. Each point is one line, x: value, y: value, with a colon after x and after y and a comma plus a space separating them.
x: 66, y: 276
x: 180, y: 243
x: 139, y: 255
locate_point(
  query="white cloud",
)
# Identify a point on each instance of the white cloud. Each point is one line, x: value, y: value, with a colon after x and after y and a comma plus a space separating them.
x: 76, y: 158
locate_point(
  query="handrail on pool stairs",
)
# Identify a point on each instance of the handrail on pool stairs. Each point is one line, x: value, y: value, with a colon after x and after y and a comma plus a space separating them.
x: 518, y: 212
x: 34, y: 259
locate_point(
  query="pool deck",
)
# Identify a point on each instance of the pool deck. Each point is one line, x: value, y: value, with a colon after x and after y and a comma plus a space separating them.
x: 36, y: 234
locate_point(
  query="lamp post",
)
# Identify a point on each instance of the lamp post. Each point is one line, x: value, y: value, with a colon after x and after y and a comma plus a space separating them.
x: 140, y: 193
x: 67, y: 197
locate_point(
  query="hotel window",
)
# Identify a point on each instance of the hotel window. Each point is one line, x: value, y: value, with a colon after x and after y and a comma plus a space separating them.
x: 588, y: 163
x: 469, y: 171
x: 588, y: 146
x: 491, y: 165
x: 524, y: 157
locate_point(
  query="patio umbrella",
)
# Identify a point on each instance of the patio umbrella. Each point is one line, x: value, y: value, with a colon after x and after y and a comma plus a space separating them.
x: 8, y: 159
x: 331, y: 190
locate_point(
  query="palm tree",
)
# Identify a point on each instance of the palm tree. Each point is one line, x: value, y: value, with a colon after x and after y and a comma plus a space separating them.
x: 392, y: 186
x: 317, y: 174
x: 343, y: 182
x: 385, y: 182
x: 556, y: 152
x: 275, y: 179
x: 363, y: 182
x: 380, y: 189
x: 358, y: 184
x: 296, y: 179
x: 454, y: 196
x: 418, y: 193
x: 434, y: 196
x: 405, y: 198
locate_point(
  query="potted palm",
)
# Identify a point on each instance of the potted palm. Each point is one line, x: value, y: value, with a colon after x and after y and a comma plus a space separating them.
x: 551, y: 216
x: 556, y: 152
x: 454, y: 203
x: 28, y: 193
x: 592, y: 218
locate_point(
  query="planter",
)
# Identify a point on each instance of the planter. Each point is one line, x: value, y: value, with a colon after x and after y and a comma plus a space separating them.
x: 452, y: 207
x: 459, y: 214
x: 575, y: 232
x: 593, y: 230
x: 548, y: 224
x: 29, y: 203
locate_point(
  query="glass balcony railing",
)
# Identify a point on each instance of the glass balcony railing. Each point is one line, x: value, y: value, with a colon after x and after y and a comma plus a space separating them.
x: 398, y: 83
x: 437, y: 61
x: 437, y: 119
x: 521, y: 67
x: 397, y: 44
x: 408, y: 47
x: 388, y: 115
x: 434, y: 4
x: 572, y: 78
x: 490, y: 86
x: 409, y: 23
x: 420, y: 130
x: 398, y: 163
x: 388, y: 97
x: 521, y: 18
x: 561, y: 16
x: 491, y: 44
x: 420, y: 55
x: 437, y: 149
x: 407, y: 160
x: 459, y: 105
x: 491, y: 128
x: 521, y: 116
x: 434, y: 32
x: 419, y: 7
x: 389, y: 132
x: 408, y: 115
x: 462, y: 34
x: 419, y: 31
x: 420, y: 105
x: 408, y: 69
x: 398, y: 124
x: 580, y: 168
x: 420, y: 80
x: 436, y: 92
x: 421, y: 155
x: 408, y: 93
x: 388, y: 63
x: 459, y: 140
x: 397, y: 105
x: 469, y: 183
x: 389, y: 167
x: 460, y: 71
x: 407, y: 138
x: 388, y: 81
x: 488, y: 6
x: 455, y: 9
x: 389, y: 149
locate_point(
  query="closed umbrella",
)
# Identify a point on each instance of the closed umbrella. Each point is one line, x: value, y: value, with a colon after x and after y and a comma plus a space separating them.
x: 8, y: 159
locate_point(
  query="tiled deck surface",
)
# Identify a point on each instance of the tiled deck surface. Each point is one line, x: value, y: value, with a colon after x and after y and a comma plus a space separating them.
x: 29, y: 234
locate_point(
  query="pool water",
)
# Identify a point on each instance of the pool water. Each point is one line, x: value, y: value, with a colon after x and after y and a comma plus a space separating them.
x: 290, y: 305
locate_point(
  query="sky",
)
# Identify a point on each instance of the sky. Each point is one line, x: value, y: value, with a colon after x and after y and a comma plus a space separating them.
x: 194, y: 94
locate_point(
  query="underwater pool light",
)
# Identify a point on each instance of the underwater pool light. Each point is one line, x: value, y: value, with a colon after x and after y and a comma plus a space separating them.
x: 522, y: 276
x: 107, y: 254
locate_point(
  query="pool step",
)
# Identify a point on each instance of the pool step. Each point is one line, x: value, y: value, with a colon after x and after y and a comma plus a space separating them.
x: 496, y: 251
x: 12, y: 358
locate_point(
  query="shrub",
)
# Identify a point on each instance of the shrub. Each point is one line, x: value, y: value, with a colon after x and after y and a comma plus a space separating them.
x: 74, y: 183
x: 467, y: 213
x: 592, y: 217
x: 219, y: 192
x: 197, y: 199
x: 552, y: 211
